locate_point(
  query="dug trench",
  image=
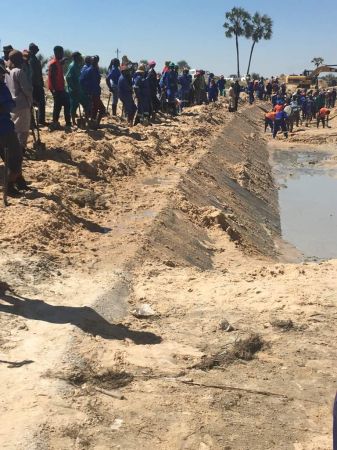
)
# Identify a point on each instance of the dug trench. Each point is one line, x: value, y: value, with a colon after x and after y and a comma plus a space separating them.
x: 195, y: 335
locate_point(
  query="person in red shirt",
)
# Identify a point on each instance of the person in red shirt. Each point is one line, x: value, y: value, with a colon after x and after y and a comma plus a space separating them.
x: 269, y: 120
x: 56, y: 86
x: 323, y: 116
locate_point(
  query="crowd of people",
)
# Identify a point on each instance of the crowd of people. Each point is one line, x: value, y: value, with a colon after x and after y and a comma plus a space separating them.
x: 76, y: 88
x: 289, y: 109
x: 143, y: 91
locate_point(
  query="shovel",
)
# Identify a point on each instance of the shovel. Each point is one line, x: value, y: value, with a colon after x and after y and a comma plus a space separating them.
x: 38, y: 145
x: 81, y: 122
x: 5, y: 179
x: 107, y: 106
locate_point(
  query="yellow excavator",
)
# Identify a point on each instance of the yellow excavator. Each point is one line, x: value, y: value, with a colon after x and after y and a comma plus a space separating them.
x: 310, y: 77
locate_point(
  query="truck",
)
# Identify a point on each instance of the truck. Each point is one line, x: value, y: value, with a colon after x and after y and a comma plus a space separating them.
x: 310, y: 77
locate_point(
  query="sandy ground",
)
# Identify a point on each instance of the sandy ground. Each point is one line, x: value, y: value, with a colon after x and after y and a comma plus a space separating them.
x: 238, y: 349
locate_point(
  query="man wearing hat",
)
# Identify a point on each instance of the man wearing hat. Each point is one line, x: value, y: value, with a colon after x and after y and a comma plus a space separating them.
x: 22, y: 93
x: 6, y: 51
x: 126, y: 93
x: 37, y: 82
x: 142, y: 90
x: 8, y: 138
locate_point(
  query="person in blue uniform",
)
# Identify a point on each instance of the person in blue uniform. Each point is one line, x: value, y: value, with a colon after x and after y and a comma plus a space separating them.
x: 112, y: 82
x: 185, y: 82
x: 125, y: 93
x: 169, y: 83
x: 143, y: 95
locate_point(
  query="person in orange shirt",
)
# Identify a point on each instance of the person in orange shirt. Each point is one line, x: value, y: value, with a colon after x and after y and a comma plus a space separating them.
x: 279, y: 106
x: 323, y: 116
x: 269, y: 119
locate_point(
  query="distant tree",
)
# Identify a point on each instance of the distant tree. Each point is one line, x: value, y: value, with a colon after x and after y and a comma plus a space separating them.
x: 103, y: 70
x: 237, y: 24
x: 43, y: 60
x: 318, y: 61
x: 143, y: 61
x: 255, y: 76
x: 183, y: 65
x: 259, y: 27
x: 331, y: 79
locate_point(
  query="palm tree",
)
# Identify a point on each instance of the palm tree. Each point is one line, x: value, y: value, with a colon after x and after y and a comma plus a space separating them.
x: 318, y: 61
x: 260, y: 27
x: 237, y: 25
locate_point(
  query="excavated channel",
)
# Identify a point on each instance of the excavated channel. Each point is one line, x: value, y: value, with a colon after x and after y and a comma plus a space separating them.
x: 307, y: 183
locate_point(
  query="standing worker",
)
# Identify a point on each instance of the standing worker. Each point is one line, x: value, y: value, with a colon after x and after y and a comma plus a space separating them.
x: 37, y: 82
x: 213, y: 91
x: 143, y: 96
x: 169, y: 83
x: 185, y: 82
x: 98, y: 109
x: 112, y: 81
x: 22, y: 93
x: 76, y: 94
x: 126, y: 94
x: 56, y: 86
x: 153, y: 85
x: 237, y: 91
x: 221, y: 83
x: 9, y: 140
x: 280, y: 122
x: 250, y: 90
x: 231, y: 96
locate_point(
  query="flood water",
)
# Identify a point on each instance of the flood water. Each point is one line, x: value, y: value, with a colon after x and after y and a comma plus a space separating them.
x: 308, y: 203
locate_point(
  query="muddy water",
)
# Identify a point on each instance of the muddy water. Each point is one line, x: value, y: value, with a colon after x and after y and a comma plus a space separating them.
x: 308, y: 202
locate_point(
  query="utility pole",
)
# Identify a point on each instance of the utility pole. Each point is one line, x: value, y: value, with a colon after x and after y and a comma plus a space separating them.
x: 117, y: 53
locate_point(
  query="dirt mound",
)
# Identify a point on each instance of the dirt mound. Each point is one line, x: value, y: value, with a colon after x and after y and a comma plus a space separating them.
x: 79, y: 174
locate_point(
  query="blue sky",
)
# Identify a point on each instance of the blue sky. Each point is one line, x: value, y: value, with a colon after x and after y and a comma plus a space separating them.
x: 176, y: 29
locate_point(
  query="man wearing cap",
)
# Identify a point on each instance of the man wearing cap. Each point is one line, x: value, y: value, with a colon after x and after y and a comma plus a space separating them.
x: 37, y: 82
x: 56, y: 86
x: 153, y: 85
x: 112, y: 81
x: 125, y: 93
x: 6, y: 51
x: 22, y: 93
x: 185, y: 82
x: 169, y: 83
x: 8, y: 138
x: 143, y: 95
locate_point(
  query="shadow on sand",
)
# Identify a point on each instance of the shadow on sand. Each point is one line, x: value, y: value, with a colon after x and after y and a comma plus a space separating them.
x: 85, y: 318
